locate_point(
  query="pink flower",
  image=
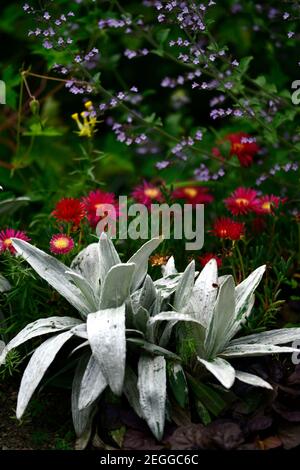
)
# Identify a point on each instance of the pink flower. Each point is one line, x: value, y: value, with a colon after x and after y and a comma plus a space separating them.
x: 7, y: 235
x: 61, y: 244
x: 242, y: 201
x: 147, y: 194
x: 100, y: 201
x: 267, y: 204
x: 193, y: 195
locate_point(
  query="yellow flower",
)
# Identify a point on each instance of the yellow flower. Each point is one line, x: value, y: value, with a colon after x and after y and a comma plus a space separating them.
x: 87, y: 124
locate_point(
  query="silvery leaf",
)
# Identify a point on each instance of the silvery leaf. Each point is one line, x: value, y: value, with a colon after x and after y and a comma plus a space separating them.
x: 245, y: 289
x: 54, y: 272
x: 252, y: 379
x: 4, y: 284
x: 2, y: 346
x: 140, y: 259
x: 108, y: 256
x: 37, y: 367
x: 92, y: 385
x: 146, y: 296
x: 12, y: 204
x: 87, y: 263
x: 283, y: 336
x: 40, y: 327
x: 106, y: 332
x: 131, y: 391
x: 169, y: 268
x: 221, y: 369
x: 223, y: 313
x: 166, y: 286
x: 236, y: 325
x: 85, y: 288
x: 82, y: 419
x: 140, y: 319
x: 116, y: 286
x: 244, y: 350
x: 153, y: 348
x: 205, y: 293
x: 172, y: 316
x: 185, y: 287
x: 152, y: 392
x: 80, y: 331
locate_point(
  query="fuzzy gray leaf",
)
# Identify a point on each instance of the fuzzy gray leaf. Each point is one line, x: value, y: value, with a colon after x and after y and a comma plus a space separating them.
x: 4, y: 284
x: 54, y: 272
x: 169, y: 268
x: 131, y: 391
x: 87, y: 263
x: 283, y: 336
x: 116, y: 286
x: 108, y: 256
x: 106, y: 333
x: 40, y: 327
x: 92, y: 385
x: 152, y: 392
x: 185, y: 287
x: 244, y: 350
x: 205, y: 293
x: 82, y: 419
x: 252, y: 379
x: 221, y: 369
x: 85, y: 288
x: 37, y: 367
x: 140, y: 259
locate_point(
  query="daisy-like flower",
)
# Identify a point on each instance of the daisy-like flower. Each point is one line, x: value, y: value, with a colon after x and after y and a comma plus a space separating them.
x: 70, y: 210
x: 193, y: 195
x: 206, y: 257
x: 7, y: 235
x: 242, y: 201
x: 267, y: 204
x: 226, y: 228
x: 244, y: 147
x: 99, y: 201
x: 61, y: 243
x: 147, y: 194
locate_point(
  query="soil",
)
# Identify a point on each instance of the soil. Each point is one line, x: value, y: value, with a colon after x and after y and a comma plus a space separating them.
x: 46, y: 425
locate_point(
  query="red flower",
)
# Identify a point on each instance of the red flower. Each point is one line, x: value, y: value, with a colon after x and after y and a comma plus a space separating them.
x: 61, y: 244
x: 267, y: 204
x: 225, y: 227
x: 193, y: 194
x: 204, y: 259
x: 69, y: 209
x: 244, y: 147
x: 147, y: 194
x: 242, y: 201
x: 100, y: 201
x: 7, y: 235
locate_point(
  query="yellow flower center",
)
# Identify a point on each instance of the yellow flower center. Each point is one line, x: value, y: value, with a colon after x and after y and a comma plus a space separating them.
x: 237, y: 147
x: 242, y: 201
x: 191, y: 192
x: 267, y: 206
x: 7, y: 242
x: 152, y: 192
x: 223, y: 232
x: 61, y: 243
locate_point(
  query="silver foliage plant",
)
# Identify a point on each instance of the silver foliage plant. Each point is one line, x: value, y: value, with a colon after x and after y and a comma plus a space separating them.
x: 120, y: 306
